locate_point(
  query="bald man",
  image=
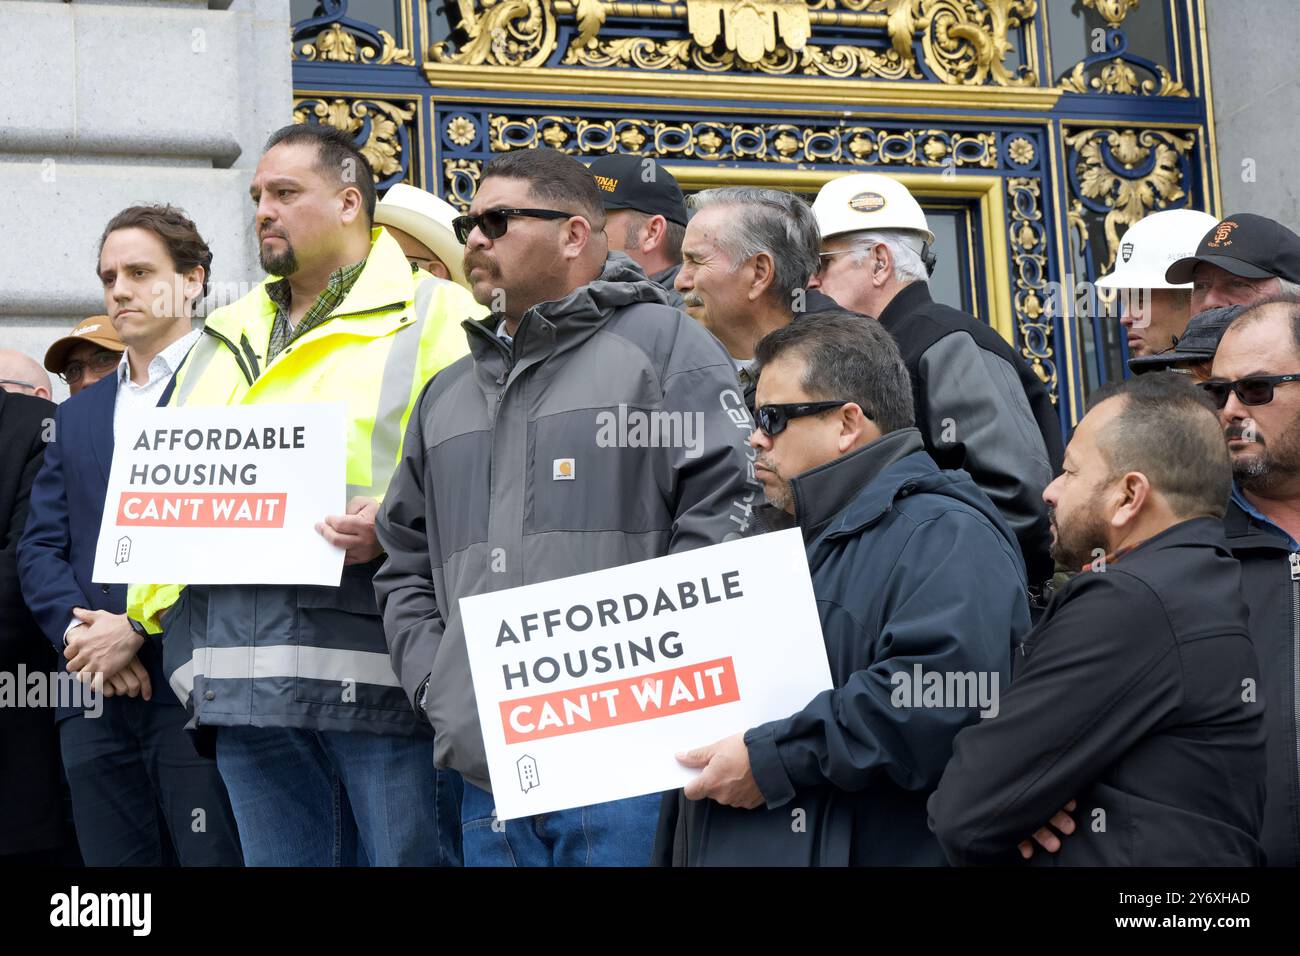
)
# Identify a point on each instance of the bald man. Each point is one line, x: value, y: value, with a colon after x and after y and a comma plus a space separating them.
x: 22, y: 374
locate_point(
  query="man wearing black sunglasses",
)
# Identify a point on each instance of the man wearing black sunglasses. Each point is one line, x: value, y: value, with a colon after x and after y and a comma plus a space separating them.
x: 1255, y: 382
x: 915, y: 573
x: 507, y: 477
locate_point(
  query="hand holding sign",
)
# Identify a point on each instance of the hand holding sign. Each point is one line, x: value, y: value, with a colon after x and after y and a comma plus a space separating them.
x: 354, y: 532
x: 727, y: 777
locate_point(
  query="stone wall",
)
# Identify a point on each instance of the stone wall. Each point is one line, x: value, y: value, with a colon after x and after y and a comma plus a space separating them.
x: 115, y: 102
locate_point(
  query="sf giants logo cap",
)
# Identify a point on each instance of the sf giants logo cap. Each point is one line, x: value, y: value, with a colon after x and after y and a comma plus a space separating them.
x: 1221, y: 233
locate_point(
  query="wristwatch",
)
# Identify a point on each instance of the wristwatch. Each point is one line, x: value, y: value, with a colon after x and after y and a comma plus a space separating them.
x: 422, y: 696
x: 138, y: 628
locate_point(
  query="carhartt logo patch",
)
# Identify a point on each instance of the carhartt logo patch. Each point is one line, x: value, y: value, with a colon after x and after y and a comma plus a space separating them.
x: 562, y: 469
x: 867, y: 202
x: 1126, y: 251
x: 607, y: 183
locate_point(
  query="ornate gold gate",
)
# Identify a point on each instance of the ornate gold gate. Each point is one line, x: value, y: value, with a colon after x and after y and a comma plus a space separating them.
x: 1034, y: 131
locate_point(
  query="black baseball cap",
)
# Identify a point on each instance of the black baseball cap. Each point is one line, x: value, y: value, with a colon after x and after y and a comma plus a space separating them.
x: 1250, y: 246
x: 1197, y: 344
x: 640, y: 183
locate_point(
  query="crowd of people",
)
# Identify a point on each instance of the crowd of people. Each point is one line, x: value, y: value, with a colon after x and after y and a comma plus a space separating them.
x: 1131, y: 601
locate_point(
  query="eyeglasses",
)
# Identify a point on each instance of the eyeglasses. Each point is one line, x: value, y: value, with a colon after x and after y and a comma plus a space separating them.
x: 99, y: 362
x: 14, y: 381
x: 1255, y: 390
x: 773, y: 418
x: 493, y: 223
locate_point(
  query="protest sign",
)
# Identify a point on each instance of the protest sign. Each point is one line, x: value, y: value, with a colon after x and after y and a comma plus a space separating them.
x: 587, y: 686
x: 224, y: 495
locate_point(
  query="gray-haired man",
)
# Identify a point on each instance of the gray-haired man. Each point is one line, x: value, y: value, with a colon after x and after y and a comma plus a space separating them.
x: 746, y: 259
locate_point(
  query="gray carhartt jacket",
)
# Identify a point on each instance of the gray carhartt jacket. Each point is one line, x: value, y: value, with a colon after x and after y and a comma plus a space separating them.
x: 516, y: 469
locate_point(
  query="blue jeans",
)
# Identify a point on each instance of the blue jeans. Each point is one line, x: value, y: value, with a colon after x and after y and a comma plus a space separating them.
x: 618, y: 833
x: 331, y: 798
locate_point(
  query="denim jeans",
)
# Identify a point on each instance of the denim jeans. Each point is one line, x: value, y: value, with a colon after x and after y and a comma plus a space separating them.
x: 618, y: 833
x: 331, y: 798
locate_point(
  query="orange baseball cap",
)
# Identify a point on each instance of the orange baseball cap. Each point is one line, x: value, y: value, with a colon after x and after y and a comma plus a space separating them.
x: 95, y: 329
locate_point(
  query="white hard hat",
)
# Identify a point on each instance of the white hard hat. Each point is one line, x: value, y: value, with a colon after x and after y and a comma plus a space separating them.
x: 868, y: 201
x: 1152, y: 245
x: 427, y: 218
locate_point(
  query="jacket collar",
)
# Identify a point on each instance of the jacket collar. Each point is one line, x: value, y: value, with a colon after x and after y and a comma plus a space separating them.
x: 564, y: 323
x: 385, y: 282
x: 1245, y: 532
x: 825, y: 492
x: 909, y: 299
x: 1197, y: 531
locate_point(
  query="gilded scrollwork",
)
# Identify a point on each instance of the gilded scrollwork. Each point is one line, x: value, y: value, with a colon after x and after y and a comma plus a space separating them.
x: 461, y: 178
x: 1123, y: 175
x: 1112, y: 11
x: 962, y: 41
x: 1029, y: 251
x: 768, y: 142
x: 517, y: 33
x: 334, y: 44
x: 378, y: 127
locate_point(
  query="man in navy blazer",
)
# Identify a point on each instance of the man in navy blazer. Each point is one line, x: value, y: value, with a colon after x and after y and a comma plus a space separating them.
x: 141, y: 794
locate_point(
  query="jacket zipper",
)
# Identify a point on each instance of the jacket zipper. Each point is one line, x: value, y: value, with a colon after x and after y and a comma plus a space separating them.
x: 239, y: 359
x: 1294, y: 558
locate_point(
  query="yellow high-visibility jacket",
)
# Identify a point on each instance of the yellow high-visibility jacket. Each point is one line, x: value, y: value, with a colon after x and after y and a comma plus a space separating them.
x: 394, y: 330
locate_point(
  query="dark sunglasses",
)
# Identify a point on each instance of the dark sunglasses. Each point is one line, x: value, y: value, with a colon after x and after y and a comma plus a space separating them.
x: 99, y: 362
x: 493, y: 223
x: 1255, y: 390
x: 773, y: 418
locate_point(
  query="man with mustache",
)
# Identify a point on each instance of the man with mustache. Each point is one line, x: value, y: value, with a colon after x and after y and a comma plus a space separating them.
x: 747, y: 257
x: 325, y: 763
x: 914, y: 572
x: 979, y: 405
x: 1253, y: 381
x: 1134, y: 700
x: 505, y: 480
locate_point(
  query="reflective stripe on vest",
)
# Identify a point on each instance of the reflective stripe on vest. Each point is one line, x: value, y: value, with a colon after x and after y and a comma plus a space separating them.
x: 200, y: 357
x: 394, y: 396
x: 284, y: 660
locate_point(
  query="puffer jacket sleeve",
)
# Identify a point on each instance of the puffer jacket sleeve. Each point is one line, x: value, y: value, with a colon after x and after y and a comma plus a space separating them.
x: 712, y: 491
x: 930, y: 618
x: 404, y: 587
x: 974, y: 400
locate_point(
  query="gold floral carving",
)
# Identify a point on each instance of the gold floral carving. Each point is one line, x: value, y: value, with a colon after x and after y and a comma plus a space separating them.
x: 963, y: 41
x: 461, y: 177
x: 336, y: 45
x: 1118, y: 77
x: 1128, y: 199
x: 383, y: 146
x: 1112, y: 11
x: 1029, y: 275
x: 779, y: 143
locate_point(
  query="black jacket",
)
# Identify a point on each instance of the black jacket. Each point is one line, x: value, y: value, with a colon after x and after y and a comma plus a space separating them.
x: 912, y: 568
x: 980, y: 407
x: 1270, y: 583
x: 1136, y: 695
x: 31, y: 804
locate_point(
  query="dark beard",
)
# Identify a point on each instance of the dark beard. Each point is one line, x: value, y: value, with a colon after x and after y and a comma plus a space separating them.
x: 1274, y: 465
x: 1076, y: 544
x: 281, y: 264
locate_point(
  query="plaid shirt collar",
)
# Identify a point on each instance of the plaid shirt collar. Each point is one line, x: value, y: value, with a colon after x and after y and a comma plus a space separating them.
x: 336, y: 290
